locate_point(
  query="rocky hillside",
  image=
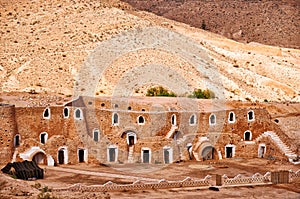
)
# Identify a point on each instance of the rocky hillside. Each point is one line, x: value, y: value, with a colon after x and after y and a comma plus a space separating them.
x: 44, y: 45
x: 272, y: 22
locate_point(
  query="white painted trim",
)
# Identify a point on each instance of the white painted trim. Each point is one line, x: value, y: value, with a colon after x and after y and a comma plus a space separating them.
x: 50, y: 160
x: 46, y: 137
x: 250, y: 138
x: 211, y: 115
x: 85, y: 154
x: 170, y: 154
x: 64, y: 112
x: 229, y: 121
x: 195, y: 120
x: 233, y: 150
x: 49, y: 111
x: 259, y: 146
x: 139, y: 121
x: 175, y: 120
x: 142, y: 154
x: 96, y: 130
x: 130, y: 133
x: 15, y: 140
x: 252, y: 114
x: 116, y: 152
x: 112, y: 119
x: 66, y: 157
x: 81, y: 114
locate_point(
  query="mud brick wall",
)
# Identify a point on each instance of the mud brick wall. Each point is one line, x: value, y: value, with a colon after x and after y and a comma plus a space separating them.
x: 8, y: 129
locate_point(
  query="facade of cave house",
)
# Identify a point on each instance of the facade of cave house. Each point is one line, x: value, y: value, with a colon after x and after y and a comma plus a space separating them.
x: 137, y: 130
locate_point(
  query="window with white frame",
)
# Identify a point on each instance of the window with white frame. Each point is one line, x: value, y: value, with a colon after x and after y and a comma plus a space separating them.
x: 66, y: 112
x: 78, y: 114
x: 231, y: 117
x: 141, y: 120
x: 43, y: 137
x: 173, y: 120
x: 17, y: 140
x: 112, y: 153
x: 96, y: 135
x: 250, y: 115
x: 193, y: 120
x: 115, y: 119
x: 46, y: 113
x: 212, y: 119
x: 247, y: 136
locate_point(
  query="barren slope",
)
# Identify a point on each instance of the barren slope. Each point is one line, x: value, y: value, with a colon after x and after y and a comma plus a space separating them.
x: 44, y: 44
x: 272, y: 22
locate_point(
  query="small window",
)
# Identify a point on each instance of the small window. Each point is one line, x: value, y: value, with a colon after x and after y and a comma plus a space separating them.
x: 247, y: 136
x: 43, y: 137
x: 231, y: 117
x: 17, y: 140
x: 96, y: 135
x: 193, y: 119
x: 129, y: 108
x: 115, y: 119
x: 173, y: 120
x: 250, y: 116
x: 46, y: 114
x: 212, y: 119
x: 78, y: 114
x: 141, y: 120
x: 116, y: 106
x: 66, y: 112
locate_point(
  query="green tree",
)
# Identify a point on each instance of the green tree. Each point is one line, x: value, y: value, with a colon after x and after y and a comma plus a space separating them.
x: 202, y: 94
x: 159, y: 91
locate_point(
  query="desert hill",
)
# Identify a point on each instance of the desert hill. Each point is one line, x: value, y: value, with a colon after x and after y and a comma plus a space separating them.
x: 44, y: 45
x: 274, y: 22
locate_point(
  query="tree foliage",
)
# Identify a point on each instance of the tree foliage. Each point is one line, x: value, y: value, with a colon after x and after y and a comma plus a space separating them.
x: 202, y: 94
x: 159, y: 91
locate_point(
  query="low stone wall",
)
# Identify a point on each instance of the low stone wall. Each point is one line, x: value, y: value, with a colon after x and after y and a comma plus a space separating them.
x: 138, y: 185
x: 223, y: 181
x: 240, y: 179
x: 294, y: 176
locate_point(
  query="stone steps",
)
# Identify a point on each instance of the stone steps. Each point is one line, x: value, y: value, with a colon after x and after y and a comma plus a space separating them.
x: 14, y: 158
x: 130, y: 154
x: 196, y: 156
x: 282, y: 146
x: 171, y: 132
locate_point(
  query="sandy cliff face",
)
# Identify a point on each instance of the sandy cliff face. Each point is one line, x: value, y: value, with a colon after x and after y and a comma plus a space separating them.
x: 272, y: 22
x: 44, y: 45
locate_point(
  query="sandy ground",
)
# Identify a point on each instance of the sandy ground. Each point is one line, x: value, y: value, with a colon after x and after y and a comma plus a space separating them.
x: 67, y: 175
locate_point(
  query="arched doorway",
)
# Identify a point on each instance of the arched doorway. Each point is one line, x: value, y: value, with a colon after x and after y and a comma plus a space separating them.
x: 208, y: 153
x: 130, y: 137
x: 40, y: 158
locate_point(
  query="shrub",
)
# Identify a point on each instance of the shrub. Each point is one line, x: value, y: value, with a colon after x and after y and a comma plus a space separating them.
x: 159, y: 91
x: 202, y: 94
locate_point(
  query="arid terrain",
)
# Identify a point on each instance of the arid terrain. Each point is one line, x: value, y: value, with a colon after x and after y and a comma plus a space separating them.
x: 268, y: 22
x: 65, y: 176
x: 45, y: 46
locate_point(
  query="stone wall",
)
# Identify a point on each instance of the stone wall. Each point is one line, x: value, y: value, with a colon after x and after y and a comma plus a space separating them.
x: 8, y: 130
x: 156, y: 133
